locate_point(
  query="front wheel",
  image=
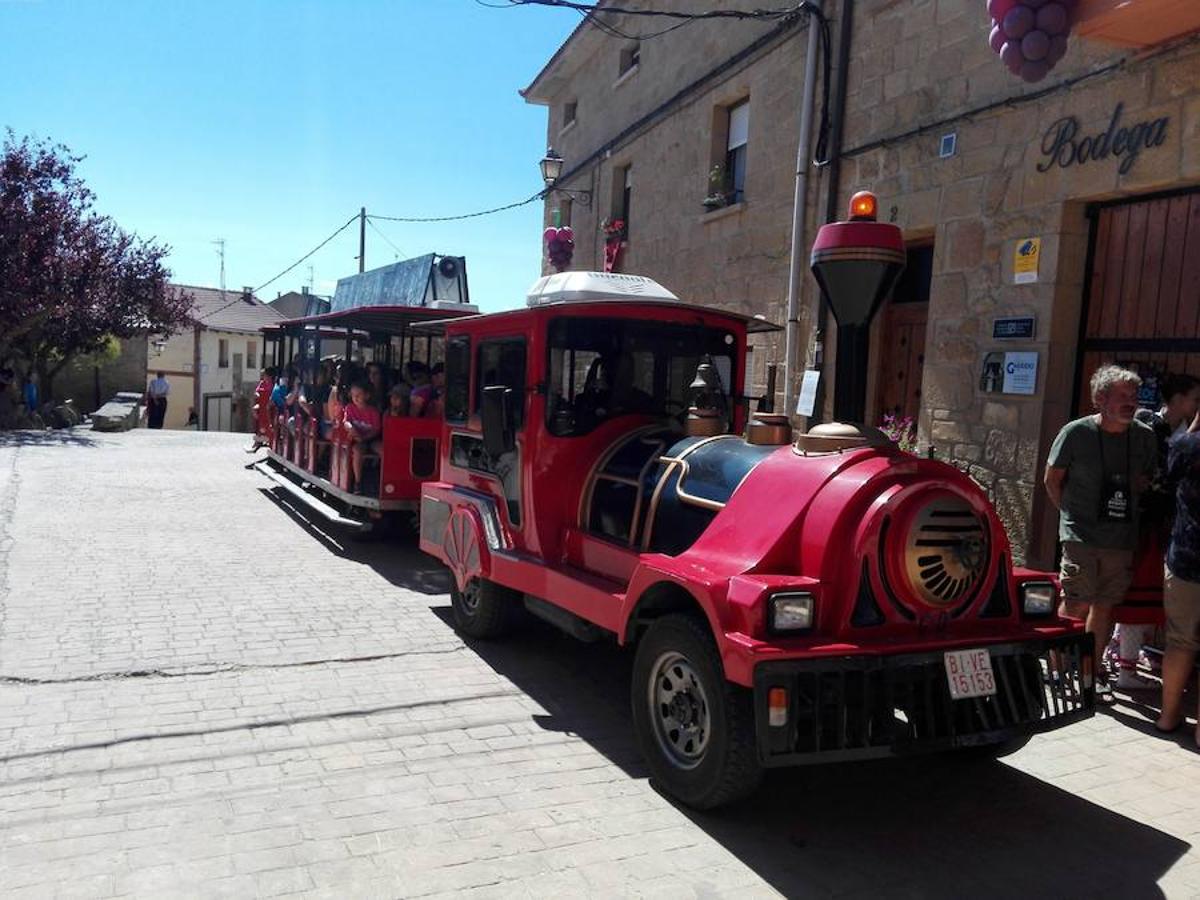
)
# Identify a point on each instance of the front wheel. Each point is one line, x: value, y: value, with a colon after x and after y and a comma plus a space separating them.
x: 993, y: 751
x: 483, y: 609
x: 695, y: 729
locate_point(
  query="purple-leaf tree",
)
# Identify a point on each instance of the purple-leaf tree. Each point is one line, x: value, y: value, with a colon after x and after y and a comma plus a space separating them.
x: 70, y: 278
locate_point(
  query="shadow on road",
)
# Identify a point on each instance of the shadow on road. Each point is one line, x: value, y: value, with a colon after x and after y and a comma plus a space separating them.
x: 930, y: 827
x: 395, y: 557
x: 66, y: 437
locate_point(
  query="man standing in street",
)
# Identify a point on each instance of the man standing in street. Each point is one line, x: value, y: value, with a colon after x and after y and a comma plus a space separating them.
x: 157, y: 400
x: 1097, y: 467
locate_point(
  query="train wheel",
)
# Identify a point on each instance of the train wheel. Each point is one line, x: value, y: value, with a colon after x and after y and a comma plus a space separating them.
x: 695, y: 729
x: 483, y: 609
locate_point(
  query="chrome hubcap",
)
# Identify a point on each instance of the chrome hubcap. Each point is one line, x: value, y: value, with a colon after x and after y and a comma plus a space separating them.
x: 678, y: 710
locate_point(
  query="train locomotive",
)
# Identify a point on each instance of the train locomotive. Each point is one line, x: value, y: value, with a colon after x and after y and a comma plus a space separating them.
x: 789, y: 600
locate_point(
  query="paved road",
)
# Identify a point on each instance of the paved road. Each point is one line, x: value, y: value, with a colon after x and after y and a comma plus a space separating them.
x: 203, y: 694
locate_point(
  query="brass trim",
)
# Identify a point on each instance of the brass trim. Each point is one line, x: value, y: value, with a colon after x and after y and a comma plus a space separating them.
x: 589, y: 486
x: 671, y: 462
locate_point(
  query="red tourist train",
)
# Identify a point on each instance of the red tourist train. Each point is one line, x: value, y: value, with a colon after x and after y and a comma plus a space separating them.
x: 822, y: 599
x: 789, y: 599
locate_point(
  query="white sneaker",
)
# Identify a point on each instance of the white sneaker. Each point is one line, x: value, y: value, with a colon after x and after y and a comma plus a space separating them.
x: 1129, y: 680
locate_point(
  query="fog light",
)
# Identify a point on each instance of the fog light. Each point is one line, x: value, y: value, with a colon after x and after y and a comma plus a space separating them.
x: 777, y: 707
x: 1037, y: 598
x: 791, y: 612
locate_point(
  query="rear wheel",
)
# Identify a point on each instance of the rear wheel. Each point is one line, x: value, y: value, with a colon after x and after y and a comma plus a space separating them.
x: 695, y: 729
x: 483, y: 609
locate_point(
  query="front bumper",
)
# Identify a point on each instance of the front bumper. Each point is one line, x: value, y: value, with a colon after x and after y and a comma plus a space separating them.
x: 862, y: 707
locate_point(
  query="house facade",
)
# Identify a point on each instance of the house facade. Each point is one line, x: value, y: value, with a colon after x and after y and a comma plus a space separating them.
x: 1052, y: 226
x: 213, y: 366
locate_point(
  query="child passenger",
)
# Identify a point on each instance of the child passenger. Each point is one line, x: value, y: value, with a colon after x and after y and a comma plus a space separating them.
x: 363, y: 425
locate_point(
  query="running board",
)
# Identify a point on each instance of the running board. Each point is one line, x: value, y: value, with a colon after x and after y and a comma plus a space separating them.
x: 312, y: 502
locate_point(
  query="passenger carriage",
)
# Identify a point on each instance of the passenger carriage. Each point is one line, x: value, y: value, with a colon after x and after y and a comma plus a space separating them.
x: 317, y: 469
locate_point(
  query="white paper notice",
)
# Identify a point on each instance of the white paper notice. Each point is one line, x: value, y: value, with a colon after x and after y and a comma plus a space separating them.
x: 1020, y: 372
x: 808, y: 392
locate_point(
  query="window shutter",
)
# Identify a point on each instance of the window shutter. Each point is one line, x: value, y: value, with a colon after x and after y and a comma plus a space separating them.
x: 739, y: 125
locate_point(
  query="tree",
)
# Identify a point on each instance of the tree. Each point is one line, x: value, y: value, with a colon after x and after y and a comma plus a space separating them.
x: 70, y: 278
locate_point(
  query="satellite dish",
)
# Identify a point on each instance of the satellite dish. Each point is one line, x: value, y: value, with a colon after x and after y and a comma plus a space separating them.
x: 448, y: 267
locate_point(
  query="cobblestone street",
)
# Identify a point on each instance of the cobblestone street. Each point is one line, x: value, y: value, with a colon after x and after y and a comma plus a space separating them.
x: 204, y: 693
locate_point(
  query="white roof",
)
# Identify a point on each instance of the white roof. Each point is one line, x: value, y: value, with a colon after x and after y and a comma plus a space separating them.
x: 585, y: 286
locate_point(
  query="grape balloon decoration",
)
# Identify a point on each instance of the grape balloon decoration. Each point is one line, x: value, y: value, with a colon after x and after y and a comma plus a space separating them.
x: 560, y: 246
x: 1030, y: 36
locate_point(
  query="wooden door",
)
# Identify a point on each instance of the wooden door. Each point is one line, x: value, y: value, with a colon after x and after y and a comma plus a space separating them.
x: 901, y: 360
x: 1143, y: 302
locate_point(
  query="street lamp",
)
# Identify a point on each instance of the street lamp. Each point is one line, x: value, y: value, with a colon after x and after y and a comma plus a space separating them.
x: 552, y: 166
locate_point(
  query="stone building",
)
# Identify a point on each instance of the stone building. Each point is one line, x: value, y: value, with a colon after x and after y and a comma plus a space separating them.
x: 1052, y: 226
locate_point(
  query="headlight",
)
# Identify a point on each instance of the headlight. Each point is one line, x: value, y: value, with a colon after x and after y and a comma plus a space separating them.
x: 1037, y: 598
x: 790, y: 612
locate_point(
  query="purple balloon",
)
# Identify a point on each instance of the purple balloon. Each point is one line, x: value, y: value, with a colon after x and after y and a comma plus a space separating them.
x: 1035, y: 4
x: 1058, y: 49
x: 1035, y: 45
x: 1052, y: 19
x: 996, y: 38
x: 1010, y: 55
x: 1018, y: 22
x: 1034, y: 70
x: 998, y: 9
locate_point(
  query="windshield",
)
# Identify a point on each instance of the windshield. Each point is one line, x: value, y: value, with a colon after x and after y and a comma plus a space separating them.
x: 603, y: 368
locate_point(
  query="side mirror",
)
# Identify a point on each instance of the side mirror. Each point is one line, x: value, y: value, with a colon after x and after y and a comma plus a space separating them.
x: 498, y: 437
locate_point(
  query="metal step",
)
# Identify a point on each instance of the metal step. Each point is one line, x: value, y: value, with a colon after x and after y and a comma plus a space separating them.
x: 309, y: 500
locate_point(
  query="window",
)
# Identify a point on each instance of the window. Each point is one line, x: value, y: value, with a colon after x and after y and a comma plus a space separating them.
x: 622, y: 193
x: 630, y: 56
x: 251, y: 354
x: 503, y: 362
x: 458, y: 379
x: 602, y: 368
x: 735, y: 151
x: 222, y: 353
x: 569, y: 113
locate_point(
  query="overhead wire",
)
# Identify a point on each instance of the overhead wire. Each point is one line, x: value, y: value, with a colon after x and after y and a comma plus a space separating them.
x: 379, y: 232
x: 473, y: 215
x: 759, y: 14
x: 340, y: 229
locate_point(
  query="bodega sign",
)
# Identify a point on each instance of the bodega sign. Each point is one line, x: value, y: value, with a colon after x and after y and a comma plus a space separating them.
x: 1063, y: 146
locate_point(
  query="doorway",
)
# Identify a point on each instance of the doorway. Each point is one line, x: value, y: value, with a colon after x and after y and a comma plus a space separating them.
x: 1142, y: 302
x: 902, y: 344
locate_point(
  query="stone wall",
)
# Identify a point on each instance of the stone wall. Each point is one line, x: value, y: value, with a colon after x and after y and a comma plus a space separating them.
x: 92, y: 380
x: 991, y: 195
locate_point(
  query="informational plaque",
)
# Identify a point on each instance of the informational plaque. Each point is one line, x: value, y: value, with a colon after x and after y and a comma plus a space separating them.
x: 1025, y: 260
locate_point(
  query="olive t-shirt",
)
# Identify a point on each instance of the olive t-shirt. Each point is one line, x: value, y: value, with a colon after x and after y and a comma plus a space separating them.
x: 1091, y: 457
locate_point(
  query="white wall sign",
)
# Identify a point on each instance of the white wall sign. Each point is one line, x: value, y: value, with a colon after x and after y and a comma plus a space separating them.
x: 808, y: 392
x: 1020, y: 372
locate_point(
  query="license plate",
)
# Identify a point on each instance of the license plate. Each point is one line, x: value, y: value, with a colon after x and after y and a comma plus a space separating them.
x: 969, y: 674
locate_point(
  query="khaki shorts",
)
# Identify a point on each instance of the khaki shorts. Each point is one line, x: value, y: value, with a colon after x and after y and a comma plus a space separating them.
x: 1095, y: 575
x: 1181, y: 600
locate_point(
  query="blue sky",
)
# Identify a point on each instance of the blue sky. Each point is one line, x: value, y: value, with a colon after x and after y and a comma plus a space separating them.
x: 269, y: 123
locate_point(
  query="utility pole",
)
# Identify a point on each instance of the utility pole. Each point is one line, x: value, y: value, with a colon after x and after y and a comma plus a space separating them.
x: 310, y: 278
x: 362, y: 238
x: 799, y: 210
